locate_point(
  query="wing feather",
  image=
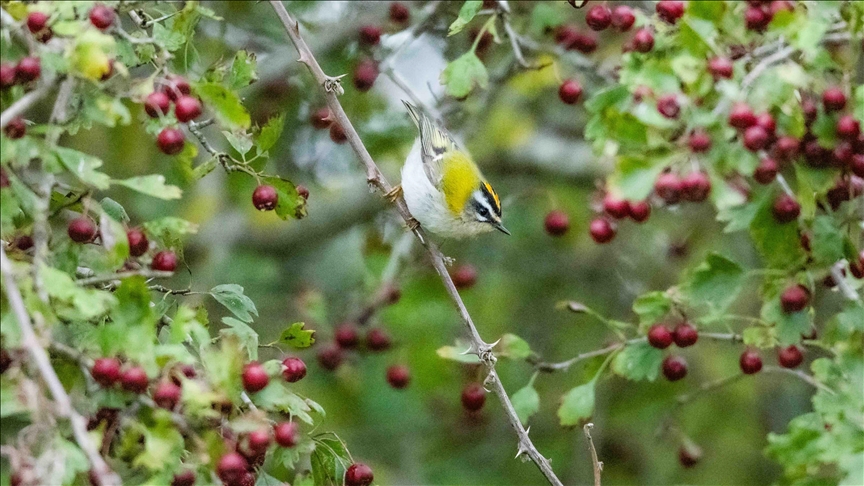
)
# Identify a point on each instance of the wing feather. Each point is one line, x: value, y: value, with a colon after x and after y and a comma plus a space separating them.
x: 434, y: 143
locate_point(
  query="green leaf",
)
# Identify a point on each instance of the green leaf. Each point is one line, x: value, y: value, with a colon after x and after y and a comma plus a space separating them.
x: 760, y: 337
x: 329, y: 460
x: 152, y: 185
x: 163, y: 445
x: 827, y: 241
x: 577, y: 405
x: 639, y: 361
x: 168, y: 38
x: 245, y: 334
x: 241, y: 141
x: 276, y: 397
x: 790, y: 327
x: 634, y: 177
x: 651, y: 307
x: 297, y: 337
x: 73, y: 302
x: 225, y: 104
x: 457, y: 353
x: 224, y: 366
x: 270, y: 133
x: 84, y: 167
x: 232, y: 297
x: 113, y: 209
x: 462, y: 75
x: 466, y: 14
x: 243, y: 70
x: 544, y: 18
x: 715, y: 283
x: 169, y: 230
x: 858, y: 103
x: 526, y: 402
x: 291, y: 204
x: 778, y: 244
x: 513, y: 347
x: 850, y: 319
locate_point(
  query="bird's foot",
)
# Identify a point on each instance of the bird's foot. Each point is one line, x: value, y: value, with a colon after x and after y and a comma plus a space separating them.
x: 393, y: 194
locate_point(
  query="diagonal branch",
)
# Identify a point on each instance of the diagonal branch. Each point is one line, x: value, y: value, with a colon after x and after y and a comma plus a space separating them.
x: 377, y: 180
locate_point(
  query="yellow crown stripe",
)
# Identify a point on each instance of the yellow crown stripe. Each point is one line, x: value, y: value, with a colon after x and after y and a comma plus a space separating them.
x: 494, y: 195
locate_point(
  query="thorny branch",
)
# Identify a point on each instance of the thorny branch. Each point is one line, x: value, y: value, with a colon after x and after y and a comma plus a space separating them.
x: 377, y: 180
x: 598, y: 465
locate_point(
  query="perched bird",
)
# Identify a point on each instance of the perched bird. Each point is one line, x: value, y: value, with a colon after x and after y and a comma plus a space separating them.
x: 444, y: 189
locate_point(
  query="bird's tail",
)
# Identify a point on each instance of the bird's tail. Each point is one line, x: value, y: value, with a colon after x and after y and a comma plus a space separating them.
x: 414, y: 112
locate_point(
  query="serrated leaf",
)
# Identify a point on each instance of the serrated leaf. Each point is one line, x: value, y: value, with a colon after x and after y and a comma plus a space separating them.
x: 651, y: 307
x: 169, y: 230
x: 329, y: 460
x: 277, y: 397
x: 152, y: 185
x: 790, y: 327
x: 163, y: 446
x: 634, y: 177
x: 297, y: 337
x: 225, y: 104
x: 241, y: 141
x: 463, y: 74
x: 760, y: 337
x: 246, y: 336
x: 544, y: 18
x: 466, y: 14
x: 291, y: 204
x: 526, y: 402
x: 232, y: 297
x: 639, y: 361
x: 513, y: 347
x: 577, y: 405
x: 827, y: 241
x: 169, y: 39
x: 778, y: 243
x: 270, y: 133
x: 715, y: 283
x: 73, y: 302
x: 243, y: 70
x: 84, y: 167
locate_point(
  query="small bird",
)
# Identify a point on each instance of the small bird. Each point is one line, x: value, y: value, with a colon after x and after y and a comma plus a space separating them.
x: 444, y: 189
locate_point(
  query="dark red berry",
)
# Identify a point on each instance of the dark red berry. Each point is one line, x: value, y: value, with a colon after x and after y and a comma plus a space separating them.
x: 293, y: 369
x: 176, y: 86
x: 330, y: 356
x: 750, y: 362
x: 255, y: 377
x: 138, y: 243
x: 755, y: 138
x: 36, y: 21
x: 601, y: 230
x: 689, y: 456
x: 720, y: 67
x: 786, y: 209
x: 623, y: 18
x: 302, y: 191
x: 565, y: 34
x: 259, y: 440
x: 347, y: 336
x: 365, y: 75
x: 695, y: 187
x: 164, y: 261
x: 134, y: 379
x: 617, y: 208
x: 598, y: 17
x: 265, y: 198
x: 643, y: 40
x: 7, y: 75
x: 668, y: 186
x: 337, y: 133
x: 170, y: 141
x: 670, y: 11
x: 833, y: 99
x: 570, y: 91
x: 166, y: 395
x: 756, y: 18
x: 232, y: 468
x: 586, y: 43
x: 23, y: 242
x: 16, y: 128
x: 28, y: 69
x: 659, y: 336
x: 786, y: 148
x: 377, y: 339
x: 358, y: 474
x: 464, y: 276
x: 816, y: 155
x: 810, y: 110
x: 674, y: 368
x: 473, y: 397
x: 685, y: 335
x: 184, y: 478
x: 848, y: 127
x: 668, y: 106
x: 790, y: 357
x: 399, y: 13
x: 639, y: 211
x: 106, y: 371
x: 370, y: 35
x: 741, y: 116
x: 766, y: 171
x: 556, y: 222
x: 285, y: 434
x: 398, y: 376
x: 857, y: 165
x: 320, y: 118
x: 794, y: 299
x: 157, y: 103
x: 187, y: 108
x: 81, y: 230
x: 101, y: 16
x: 700, y: 141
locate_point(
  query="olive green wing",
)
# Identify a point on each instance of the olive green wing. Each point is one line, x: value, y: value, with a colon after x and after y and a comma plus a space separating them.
x: 434, y: 143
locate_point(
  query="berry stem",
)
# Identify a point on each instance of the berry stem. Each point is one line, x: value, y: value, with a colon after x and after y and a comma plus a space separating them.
x: 486, y: 26
x: 801, y: 375
x: 707, y: 387
x: 121, y: 275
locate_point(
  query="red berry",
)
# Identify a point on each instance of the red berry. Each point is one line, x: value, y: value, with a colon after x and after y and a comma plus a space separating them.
x: 841, y: 156
x: 720, y: 67
x: 786, y: 209
x: 187, y: 108
x: 780, y: 5
x: 101, y: 16
x: 302, y: 191
x: 601, y: 230
x: 464, y: 276
x: 81, y: 230
x: 643, y: 40
x: 741, y: 116
x: 255, y: 377
x: 659, y: 336
x: 790, y: 357
x: 330, y: 356
x: 166, y: 395
x: 259, y: 440
x: 358, y: 474
x: 816, y: 155
x: 138, y: 243
x: 674, y: 368
x: 16, y: 128
x: 668, y: 106
x: 598, y: 17
x: 337, y: 133
x: 347, y: 336
x: 170, y: 141
x: 134, y: 379
x: 164, y: 261
x: 766, y: 121
x: 24, y: 242
x: 766, y: 171
x: 184, y: 478
x: 365, y: 75
x: 370, y: 35
x: 756, y: 18
x: 695, y: 187
x: 557, y: 222
x: 623, y: 18
x: 586, y: 43
x: 377, y: 339
x: 755, y: 138
x: 617, y: 208
x: 565, y: 34
x: 285, y: 434
x: 321, y: 118
x: 857, y: 165
x: 7, y: 75
x: 293, y: 369
x: 36, y: 21
x: 848, y: 127
x: 786, y: 148
x: 398, y: 376
x: 156, y: 104
x: 668, y: 186
x: 473, y: 397
x: 399, y: 13
x: 857, y: 268
x: 700, y: 141
x: 833, y: 99
x: 265, y: 198
x: 750, y: 362
x: 689, y: 456
x: 570, y: 91
x: 640, y: 211
x: 28, y: 69
x: 176, y: 86
x: 232, y: 468
x: 794, y: 299
x: 685, y: 335
x: 106, y: 371
x: 810, y: 110
x: 670, y: 11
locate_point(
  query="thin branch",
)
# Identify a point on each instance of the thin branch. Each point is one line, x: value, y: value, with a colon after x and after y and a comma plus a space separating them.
x: 801, y: 375
x: 23, y: 103
x: 29, y: 341
x: 842, y: 284
x: 121, y: 275
x: 707, y: 387
x: 196, y: 130
x: 598, y: 465
x: 375, y: 178
x: 565, y: 365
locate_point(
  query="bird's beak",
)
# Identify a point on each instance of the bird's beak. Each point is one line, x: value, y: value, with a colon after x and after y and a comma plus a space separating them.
x: 500, y: 227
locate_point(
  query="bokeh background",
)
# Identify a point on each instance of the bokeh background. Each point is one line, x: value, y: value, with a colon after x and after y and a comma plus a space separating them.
x: 326, y: 268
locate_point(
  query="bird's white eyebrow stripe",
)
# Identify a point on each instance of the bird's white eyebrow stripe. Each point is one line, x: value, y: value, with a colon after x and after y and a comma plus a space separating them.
x: 481, y: 198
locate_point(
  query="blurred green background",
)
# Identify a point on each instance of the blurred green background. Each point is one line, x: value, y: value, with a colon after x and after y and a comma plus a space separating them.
x: 325, y: 268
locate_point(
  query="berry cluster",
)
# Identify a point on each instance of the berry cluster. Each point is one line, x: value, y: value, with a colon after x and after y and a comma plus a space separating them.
x: 173, y: 89
x: 83, y: 230
x: 369, y: 36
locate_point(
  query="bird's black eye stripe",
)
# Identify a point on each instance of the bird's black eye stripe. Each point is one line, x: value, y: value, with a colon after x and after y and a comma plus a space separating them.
x: 491, y: 198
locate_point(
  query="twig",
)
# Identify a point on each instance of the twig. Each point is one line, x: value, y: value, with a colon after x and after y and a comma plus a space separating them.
x: 565, y: 365
x: 196, y: 130
x: 23, y: 103
x: 29, y: 341
x: 706, y: 387
x: 837, y: 275
x: 801, y: 375
x: 374, y: 177
x: 166, y: 290
x: 514, y: 38
x: 598, y: 465
x: 121, y: 275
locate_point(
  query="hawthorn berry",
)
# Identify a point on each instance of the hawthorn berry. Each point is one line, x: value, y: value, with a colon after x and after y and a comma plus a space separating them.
x: 365, y: 75
x: 399, y: 13
x: 755, y: 138
x: 184, y: 478
x: 170, y: 141
x: 766, y: 171
x: 699, y: 141
x: 259, y: 440
x: 473, y: 397
x: 623, y: 18
x: 689, y: 456
x: 617, y: 208
x: 565, y: 34
x: 741, y: 116
x: 570, y: 91
x: 156, y: 104
x: 816, y: 154
x: 16, y: 128
x: 785, y: 209
x: 28, y: 69
x: 720, y: 67
x: 556, y: 222
x: 857, y: 165
x: 166, y: 395
x: 766, y: 121
x: 285, y: 434
x: 81, y: 230
x: 164, y: 261
x: 659, y: 336
x: 302, y: 191
x: 106, y: 371
x: 601, y: 230
x: 668, y: 186
x: 265, y: 198
x: 23, y: 242
x: 358, y: 474
x: 643, y: 40
x: 794, y: 299
x: 320, y: 118
x: 187, y: 108
x: 398, y: 376
x: 790, y: 357
x: 330, y: 356
x: 756, y: 18
x: 293, y: 369
x: 176, y: 86
x: 695, y: 187
x: 347, y: 335
x: 370, y: 35
x: 670, y: 11
x: 36, y: 21
x: 7, y: 75
x: 750, y: 362
x: 377, y: 339
x: 232, y: 468
x: 810, y: 110
x: 685, y: 335
x: 337, y: 133
x: 786, y: 147
x: 101, y: 16
x: 848, y: 127
x: 138, y: 243
x: 668, y: 106
x: 639, y: 211
x: 599, y: 17
x: 134, y: 379
x: 586, y: 43
x: 255, y: 377
x: 674, y: 367
x: 833, y: 99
